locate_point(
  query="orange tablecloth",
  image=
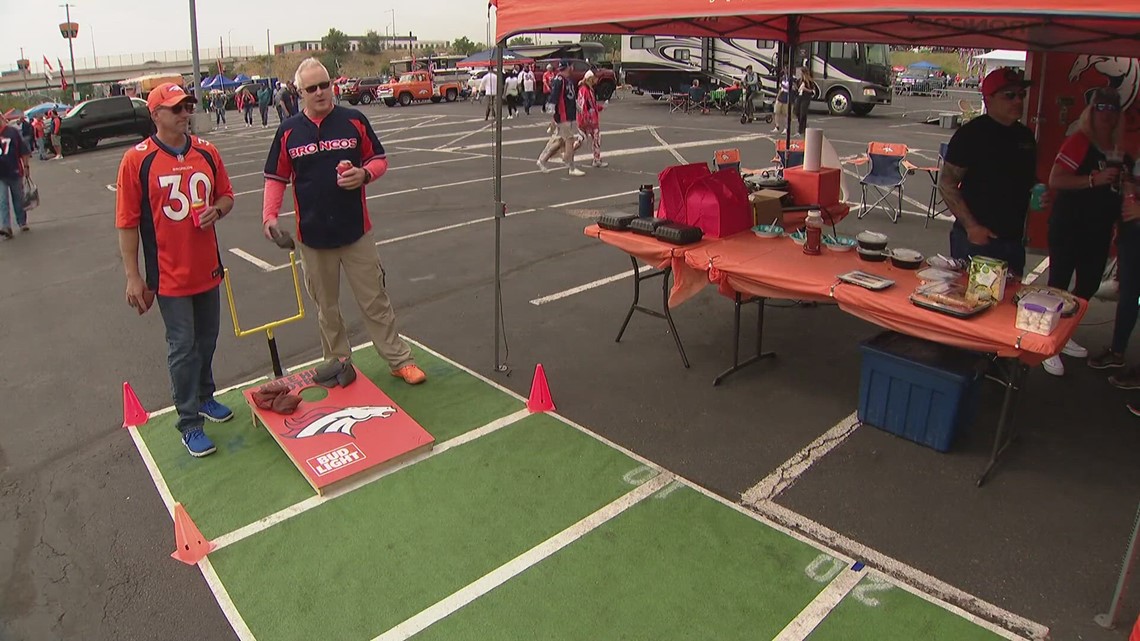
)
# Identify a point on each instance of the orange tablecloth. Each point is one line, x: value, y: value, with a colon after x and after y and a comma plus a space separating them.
x: 686, y: 281
x: 778, y: 268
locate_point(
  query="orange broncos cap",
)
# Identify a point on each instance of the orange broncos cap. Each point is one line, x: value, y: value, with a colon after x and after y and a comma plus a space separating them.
x: 167, y: 94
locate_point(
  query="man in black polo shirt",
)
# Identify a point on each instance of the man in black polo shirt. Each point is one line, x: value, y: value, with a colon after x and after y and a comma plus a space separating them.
x: 329, y: 153
x: 990, y: 169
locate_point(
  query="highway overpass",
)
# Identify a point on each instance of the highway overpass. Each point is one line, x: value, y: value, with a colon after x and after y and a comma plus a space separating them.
x: 13, y: 81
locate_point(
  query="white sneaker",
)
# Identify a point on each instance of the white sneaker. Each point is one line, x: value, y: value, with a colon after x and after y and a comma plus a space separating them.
x: 600, y: 164
x: 574, y: 171
x: 1054, y: 366
x: 543, y: 166
x: 1074, y: 350
x: 775, y: 130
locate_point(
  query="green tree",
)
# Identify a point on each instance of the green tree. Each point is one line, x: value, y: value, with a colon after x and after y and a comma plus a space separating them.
x: 336, y: 42
x: 520, y: 41
x: 372, y: 44
x: 464, y: 47
x: 611, y: 43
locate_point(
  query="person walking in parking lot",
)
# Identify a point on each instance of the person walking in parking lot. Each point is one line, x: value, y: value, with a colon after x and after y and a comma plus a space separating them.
x: 547, y: 80
x: 55, y: 129
x: 41, y: 136
x: 564, y: 100
x: 528, y: 82
x: 589, y: 120
x: 171, y: 192
x: 805, y: 93
x: 14, y: 166
x: 264, y: 99
x: 490, y: 89
x: 333, y: 225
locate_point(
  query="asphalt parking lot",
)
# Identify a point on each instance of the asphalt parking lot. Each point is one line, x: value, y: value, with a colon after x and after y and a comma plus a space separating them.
x: 87, y: 554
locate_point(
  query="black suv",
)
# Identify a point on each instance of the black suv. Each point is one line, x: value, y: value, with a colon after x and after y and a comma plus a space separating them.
x: 362, y: 91
x: 93, y: 120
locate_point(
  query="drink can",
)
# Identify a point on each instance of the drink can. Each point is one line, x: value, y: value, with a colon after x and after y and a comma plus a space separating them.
x: 1036, y: 196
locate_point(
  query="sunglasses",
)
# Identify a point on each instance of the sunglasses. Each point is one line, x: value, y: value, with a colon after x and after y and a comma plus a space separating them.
x: 323, y: 86
x: 1013, y: 95
x: 1106, y: 107
x: 188, y: 107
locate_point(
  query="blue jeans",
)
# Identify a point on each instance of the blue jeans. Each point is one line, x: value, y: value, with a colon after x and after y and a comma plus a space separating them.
x: 15, y: 187
x: 43, y: 146
x: 191, y: 335
x: 1011, y: 251
x: 1128, y: 273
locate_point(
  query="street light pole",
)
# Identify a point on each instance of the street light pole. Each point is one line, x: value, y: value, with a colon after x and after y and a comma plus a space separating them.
x: 22, y: 63
x: 74, y: 31
x: 194, y: 51
x: 268, y: 57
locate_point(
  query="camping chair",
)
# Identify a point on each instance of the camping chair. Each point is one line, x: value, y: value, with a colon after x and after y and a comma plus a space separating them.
x: 727, y: 159
x: 731, y: 100
x: 784, y: 158
x: 886, y: 175
x: 679, y: 102
x: 932, y: 206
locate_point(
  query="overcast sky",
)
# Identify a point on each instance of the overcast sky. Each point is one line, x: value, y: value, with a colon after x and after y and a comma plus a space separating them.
x: 138, y: 26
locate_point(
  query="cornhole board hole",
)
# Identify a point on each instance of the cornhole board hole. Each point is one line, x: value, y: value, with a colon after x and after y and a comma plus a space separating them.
x: 350, y: 431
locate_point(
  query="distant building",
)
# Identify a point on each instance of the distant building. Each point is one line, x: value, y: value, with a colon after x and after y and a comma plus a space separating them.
x: 405, y: 43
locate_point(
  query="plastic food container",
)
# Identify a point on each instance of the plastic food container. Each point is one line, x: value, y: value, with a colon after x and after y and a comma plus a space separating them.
x: 1039, y: 313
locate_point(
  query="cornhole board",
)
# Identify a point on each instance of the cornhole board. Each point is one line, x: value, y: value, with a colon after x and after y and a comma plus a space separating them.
x: 352, y: 430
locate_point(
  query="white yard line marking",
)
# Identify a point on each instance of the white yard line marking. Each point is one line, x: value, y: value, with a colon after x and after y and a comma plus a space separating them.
x: 590, y: 285
x: 244, y: 255
x: 525, y: 141
x: 944, y: 594
x: 1032, y: 276
x: 524, y: 561
x: 215, y: 584
x: 814, y: 613
x: 667, y: 146
x: 790, y: 470
x: 363, y: 480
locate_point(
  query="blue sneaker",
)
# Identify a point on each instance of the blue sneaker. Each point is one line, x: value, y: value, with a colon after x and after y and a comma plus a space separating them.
x: 215, y: 412
x: 198, y: 444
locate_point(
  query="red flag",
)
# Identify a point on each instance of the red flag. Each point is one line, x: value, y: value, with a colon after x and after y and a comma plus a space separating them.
x: 47, y: 63
x: 62, y: 75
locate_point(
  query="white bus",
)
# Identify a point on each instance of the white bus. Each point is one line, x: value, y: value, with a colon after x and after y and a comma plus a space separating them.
x: 852, y: 77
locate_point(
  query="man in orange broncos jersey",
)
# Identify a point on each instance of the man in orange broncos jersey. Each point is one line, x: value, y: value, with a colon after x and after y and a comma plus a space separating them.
x: 172, y: 190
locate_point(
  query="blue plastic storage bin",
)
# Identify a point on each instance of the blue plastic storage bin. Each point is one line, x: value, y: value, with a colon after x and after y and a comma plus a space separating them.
x: 917, y: 389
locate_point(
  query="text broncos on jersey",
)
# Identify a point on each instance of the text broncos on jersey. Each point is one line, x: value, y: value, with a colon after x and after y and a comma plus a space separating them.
x: 324, y: 145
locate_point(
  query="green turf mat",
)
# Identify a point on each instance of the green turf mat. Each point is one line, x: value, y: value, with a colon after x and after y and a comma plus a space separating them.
x: 250, y: 477
x: 360, y: 564
x: 878, y: 611
x: 678, y: 565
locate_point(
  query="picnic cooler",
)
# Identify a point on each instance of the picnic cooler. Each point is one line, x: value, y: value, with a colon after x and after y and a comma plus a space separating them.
x: 718, y: 204
x: 675, y: 182
x: 917, y: 389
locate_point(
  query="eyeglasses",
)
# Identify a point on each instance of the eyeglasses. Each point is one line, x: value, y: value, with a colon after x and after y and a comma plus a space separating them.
x: 188, y: 107
x: 1103, y: 107
x: 1013, y: 95
x: 323, y: 86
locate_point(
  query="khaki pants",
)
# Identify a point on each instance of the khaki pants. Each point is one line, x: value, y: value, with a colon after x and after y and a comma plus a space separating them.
x: 566, y: 132
x: 361, y: 266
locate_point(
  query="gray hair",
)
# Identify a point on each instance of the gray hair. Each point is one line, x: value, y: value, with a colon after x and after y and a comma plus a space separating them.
x: 306, y: 64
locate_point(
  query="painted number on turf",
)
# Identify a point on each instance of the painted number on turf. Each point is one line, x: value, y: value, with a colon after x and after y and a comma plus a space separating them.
x: 199, y: 188
x: 870, y: 586
x: 824, y: 568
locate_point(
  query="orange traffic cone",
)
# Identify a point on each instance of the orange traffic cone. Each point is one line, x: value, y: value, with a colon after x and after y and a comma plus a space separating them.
x: 539, y: 400
x: 133, y: 413
x: 192, y: 546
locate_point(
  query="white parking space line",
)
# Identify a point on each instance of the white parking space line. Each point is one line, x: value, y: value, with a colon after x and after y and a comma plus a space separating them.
x: 466, y: 136
x: 524, y: 141
x: 670, y: 148
x: 244, y: 255
x: 1032, y: 276
x: 790, y: 470
x: 590, y: 285
x: 811, y: 616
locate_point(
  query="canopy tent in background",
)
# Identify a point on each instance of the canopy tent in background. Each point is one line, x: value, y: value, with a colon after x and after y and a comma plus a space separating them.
x: 242, y: 79
x: 45, y: 107
x: 487, y: 58
x: 1000, y: 58
x: 924, y: 65
x: 220, y: 82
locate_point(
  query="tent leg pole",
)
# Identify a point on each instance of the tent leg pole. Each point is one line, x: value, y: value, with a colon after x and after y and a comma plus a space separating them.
x: 793, y: 103
x: 500, y: 208
x: 1108, y: 619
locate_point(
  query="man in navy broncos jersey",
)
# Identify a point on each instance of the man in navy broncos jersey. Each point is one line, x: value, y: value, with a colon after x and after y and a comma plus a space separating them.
x: 329, y: 153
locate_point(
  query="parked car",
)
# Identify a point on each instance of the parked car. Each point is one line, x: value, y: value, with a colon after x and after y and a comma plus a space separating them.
x: 361, y: 92
x: 915, y: 81
x: 417, y: 86
x: 92, y: 121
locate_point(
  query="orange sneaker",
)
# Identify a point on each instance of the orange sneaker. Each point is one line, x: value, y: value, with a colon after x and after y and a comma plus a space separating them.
x: 411, y: 374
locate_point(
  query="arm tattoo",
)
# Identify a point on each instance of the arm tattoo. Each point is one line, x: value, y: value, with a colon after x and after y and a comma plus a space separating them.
x: 949, y: 182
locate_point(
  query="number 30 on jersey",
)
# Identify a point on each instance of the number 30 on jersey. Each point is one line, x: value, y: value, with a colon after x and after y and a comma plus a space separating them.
x: 198, y: 189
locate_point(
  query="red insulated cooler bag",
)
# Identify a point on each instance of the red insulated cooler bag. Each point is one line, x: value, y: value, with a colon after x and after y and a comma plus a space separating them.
x: 675, y: 182
x: 718, y: 204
